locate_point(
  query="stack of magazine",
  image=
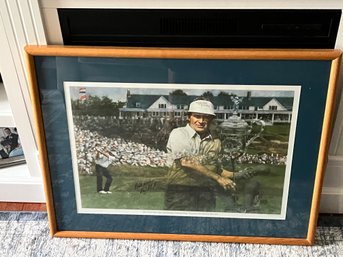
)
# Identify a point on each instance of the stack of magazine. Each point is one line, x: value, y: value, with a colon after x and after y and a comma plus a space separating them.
x: 11, y: 151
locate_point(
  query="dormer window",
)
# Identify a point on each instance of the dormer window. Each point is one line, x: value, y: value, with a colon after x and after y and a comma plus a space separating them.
x: 138, y: 105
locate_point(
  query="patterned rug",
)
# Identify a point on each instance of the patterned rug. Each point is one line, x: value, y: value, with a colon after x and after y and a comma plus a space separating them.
x: 27, y: 234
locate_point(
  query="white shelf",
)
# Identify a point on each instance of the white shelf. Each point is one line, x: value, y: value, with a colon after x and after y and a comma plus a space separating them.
x: 17, y: 185
x: 14, y: 173
x: 6, y: 117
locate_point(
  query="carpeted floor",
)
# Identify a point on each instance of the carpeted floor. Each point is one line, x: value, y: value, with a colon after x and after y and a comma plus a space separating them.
x: 27, y: 234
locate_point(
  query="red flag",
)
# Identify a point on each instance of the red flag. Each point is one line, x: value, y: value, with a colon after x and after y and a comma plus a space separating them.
x: 82, y: 93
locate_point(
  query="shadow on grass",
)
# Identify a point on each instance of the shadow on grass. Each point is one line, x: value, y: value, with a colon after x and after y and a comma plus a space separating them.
x: 127, y: 195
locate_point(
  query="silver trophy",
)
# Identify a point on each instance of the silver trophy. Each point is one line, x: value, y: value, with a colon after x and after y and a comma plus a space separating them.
x: 236, y: 134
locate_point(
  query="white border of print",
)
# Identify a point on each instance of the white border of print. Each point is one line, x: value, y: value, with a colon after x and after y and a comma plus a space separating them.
x: 206, y: 87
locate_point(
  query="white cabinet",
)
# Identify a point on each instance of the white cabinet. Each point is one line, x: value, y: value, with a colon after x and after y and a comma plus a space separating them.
x: 18, y: 27
x: 16, y: 181
x: 6, y: 116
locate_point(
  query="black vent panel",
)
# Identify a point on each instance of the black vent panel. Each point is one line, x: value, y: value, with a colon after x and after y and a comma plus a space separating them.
x: 198, y: 25
x: 201, y: 28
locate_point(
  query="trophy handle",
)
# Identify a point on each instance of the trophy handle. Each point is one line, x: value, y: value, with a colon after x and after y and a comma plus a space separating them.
x: 261, y: 123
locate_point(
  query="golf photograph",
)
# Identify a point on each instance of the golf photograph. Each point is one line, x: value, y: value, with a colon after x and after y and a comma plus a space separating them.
x: 182, y: 149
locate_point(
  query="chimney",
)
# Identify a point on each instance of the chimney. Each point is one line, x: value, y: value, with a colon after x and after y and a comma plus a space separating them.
x: 249, y: 95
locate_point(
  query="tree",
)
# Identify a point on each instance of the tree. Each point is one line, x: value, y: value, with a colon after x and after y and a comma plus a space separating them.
x: 96, y: 106
x: 222, y: 93
x: 208, y: 94
x: 117, y: 106
x: 177, y: 92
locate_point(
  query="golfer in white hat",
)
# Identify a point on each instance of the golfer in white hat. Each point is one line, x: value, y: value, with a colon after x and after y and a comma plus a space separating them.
x: 195, y: 166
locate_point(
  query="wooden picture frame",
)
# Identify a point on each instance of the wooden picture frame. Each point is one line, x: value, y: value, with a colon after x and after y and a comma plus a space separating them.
x: 290, y: 92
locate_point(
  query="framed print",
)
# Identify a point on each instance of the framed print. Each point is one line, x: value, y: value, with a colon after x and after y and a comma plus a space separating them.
x: 183, y: 144
x: 11, y: 152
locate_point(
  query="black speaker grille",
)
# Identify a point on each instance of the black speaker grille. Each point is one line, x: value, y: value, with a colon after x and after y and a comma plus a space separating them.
x: 200, y: 28
x: 197, y: 25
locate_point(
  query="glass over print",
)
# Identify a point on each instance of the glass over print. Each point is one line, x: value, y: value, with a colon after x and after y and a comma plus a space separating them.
x: 183, y: 144
x: 131, y: 126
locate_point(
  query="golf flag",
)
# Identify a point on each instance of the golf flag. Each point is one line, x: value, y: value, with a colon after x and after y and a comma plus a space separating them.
x: 82, y: 94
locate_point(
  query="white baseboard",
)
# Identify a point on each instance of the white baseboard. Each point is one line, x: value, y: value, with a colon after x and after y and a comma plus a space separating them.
x: 331, y: 200
x: 332, y: 193
x: 23, y: 190
x: 17, y: 185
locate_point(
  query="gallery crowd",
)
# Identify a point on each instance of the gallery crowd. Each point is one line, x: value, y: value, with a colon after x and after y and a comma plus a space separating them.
x: 274, y: 159
x: 127, y: 152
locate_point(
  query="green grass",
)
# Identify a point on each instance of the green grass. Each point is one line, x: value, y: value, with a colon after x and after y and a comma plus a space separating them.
x: 126, y: 194
x: 274, y: 139
x: 118, y: 199
x: 277, y: 129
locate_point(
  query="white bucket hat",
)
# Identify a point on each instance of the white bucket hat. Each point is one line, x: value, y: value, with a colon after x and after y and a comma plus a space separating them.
x: 202, y: 106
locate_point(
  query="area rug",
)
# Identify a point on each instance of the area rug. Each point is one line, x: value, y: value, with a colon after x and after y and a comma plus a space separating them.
x: 27, y: 234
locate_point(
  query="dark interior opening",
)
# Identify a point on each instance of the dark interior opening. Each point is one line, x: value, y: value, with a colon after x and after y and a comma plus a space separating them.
x: 200, y: 28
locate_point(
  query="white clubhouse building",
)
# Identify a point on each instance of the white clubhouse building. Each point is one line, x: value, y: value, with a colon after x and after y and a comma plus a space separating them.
x: 270, y: 109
